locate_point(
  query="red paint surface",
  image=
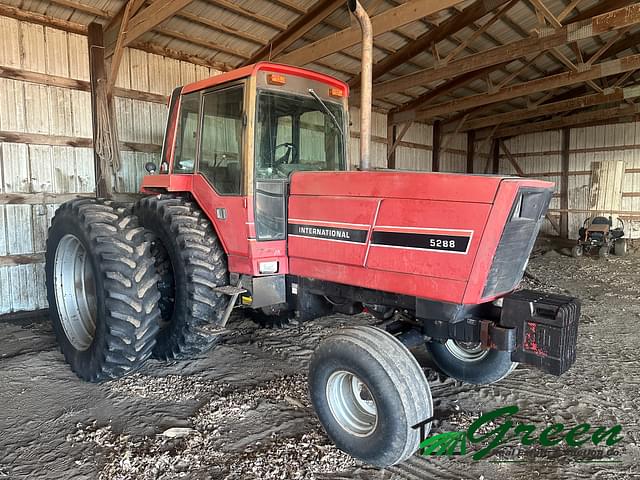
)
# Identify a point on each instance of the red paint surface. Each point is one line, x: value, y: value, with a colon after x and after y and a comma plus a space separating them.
x: 409, y: 202
x: 530, y: 341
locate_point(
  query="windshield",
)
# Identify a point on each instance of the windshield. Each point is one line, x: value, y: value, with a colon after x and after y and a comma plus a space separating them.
x: 295, y: 133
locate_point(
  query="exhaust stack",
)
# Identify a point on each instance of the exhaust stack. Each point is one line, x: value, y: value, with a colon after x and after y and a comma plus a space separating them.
x: 366, y: 81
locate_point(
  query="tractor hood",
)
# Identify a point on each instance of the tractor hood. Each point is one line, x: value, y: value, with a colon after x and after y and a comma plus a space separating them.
x: 440, y: 236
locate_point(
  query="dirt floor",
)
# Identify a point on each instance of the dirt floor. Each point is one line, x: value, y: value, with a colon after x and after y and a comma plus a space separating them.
x: 241, y: 411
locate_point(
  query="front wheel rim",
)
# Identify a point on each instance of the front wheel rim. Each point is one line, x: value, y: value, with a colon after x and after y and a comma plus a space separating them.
x: 75, y: 292
x: 465, y: 351
x: 351, y: 403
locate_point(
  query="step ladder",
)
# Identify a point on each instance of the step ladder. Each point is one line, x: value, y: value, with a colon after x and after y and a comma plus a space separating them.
x: 233, y: 291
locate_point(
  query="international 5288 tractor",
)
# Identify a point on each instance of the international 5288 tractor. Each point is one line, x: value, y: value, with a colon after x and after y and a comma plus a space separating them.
x: 253, y: 205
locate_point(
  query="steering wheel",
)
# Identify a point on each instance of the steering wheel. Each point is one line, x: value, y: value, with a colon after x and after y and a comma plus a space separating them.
x: 291, y: 148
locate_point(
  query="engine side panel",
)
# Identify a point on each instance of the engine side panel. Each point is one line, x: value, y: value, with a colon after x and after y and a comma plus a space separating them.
x: 400, y: 232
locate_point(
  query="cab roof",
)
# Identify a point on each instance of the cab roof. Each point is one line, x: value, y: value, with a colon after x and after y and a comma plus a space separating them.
x: 252, y: 70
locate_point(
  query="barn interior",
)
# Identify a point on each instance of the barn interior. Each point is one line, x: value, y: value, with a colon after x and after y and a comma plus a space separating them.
x: 539, y: 89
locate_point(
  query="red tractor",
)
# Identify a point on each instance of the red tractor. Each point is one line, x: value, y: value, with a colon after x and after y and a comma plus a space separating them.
x: 253, y: 205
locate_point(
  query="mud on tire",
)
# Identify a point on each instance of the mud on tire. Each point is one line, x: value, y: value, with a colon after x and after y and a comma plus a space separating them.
x: 101, y: 288
x: 191, y: 263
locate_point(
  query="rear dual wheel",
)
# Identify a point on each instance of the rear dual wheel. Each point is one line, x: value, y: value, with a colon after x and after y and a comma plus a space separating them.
x: 101, y: 289
x: 191, y: 263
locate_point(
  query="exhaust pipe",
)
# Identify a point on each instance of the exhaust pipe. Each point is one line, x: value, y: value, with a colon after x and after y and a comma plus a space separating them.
x: 366, y: 81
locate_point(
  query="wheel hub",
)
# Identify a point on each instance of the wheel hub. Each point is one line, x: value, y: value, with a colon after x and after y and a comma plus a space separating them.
x: 352, y: 403
x: 466, y: 351
x: 75, y: 292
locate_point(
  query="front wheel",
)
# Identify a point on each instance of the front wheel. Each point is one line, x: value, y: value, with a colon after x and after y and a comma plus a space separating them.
x: 369, y: 393
x: 577, y: 251
x: 469, y: 363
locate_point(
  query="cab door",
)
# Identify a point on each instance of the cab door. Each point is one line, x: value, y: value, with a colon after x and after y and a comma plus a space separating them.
x: 218, y: 183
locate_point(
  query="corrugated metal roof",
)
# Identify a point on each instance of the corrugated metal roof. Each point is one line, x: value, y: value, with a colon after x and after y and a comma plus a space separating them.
x: 229, y: 32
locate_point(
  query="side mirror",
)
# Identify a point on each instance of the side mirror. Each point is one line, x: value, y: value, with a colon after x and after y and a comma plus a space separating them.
x: 150, y: 167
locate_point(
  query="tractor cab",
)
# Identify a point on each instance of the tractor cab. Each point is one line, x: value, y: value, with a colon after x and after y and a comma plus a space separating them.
x: 234, y: 142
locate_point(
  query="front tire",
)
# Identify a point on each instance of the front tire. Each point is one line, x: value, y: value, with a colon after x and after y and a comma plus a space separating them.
x: 368, y: 392
x: 604, y: 251
x: 469, y: 363
x: 577, y: 251
x: 191, y: 264
x: 101, y: 288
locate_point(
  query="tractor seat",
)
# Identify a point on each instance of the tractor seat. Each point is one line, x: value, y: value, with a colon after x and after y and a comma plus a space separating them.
x: 600, y: 221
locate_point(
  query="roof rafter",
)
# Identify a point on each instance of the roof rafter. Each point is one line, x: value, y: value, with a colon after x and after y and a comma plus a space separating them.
x: 316, y: 14
x: 450, y: 26
x: 569, y: 121
x: 384, y: 22
x: 612, y: 67
x: 617, y: 95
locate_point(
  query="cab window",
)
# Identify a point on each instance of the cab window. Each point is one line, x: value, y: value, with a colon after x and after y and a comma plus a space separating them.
x: 221, y: 139
x: 186, y: 140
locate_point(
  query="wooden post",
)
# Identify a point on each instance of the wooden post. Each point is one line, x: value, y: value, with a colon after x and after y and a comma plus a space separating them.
x: 392, y: 133
x: 495, y: 155
x: 471, y: 150
x: 564, y: 183
x: 437, y: 140
x: 105, y: 137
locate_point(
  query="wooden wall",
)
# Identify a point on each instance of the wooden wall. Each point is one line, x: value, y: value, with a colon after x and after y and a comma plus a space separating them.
x: 45, y: 139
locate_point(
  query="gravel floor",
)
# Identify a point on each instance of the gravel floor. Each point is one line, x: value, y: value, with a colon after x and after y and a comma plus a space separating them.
x: 242, y: 412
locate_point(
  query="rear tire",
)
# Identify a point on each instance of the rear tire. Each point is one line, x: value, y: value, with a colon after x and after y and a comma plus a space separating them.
x: 191, y: 263
x: 101, y: 288
x: 368, y: 392
x: 470, y: 364
x: 620, y: 248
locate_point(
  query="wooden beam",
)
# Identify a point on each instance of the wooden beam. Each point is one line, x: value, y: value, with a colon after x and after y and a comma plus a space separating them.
x: 480, y: 31
x: 533, y: 45
x: 453, y: 24
x: 437, y: 139
x: 397, y: 138
x: 546, y: 13
x: 105, y: 135
x: 65, y: 141
x: 118, y: 50
x: 40, y: 198
x: 599, y: 8
x: 471, y: 154
x: 13, y: 260
x: 571, y: 121
x: 38, y: 18
x: 386, y: 21
x: 315, y: 15
x: 521, y: 173
x: 114, y: 30
x: 564, y: 182
x: 600, y: 70
x: 615, y: 96
x: 568, y: 9
x: 392, y: 132
x: 442, y: 89
x: 151, y: 17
